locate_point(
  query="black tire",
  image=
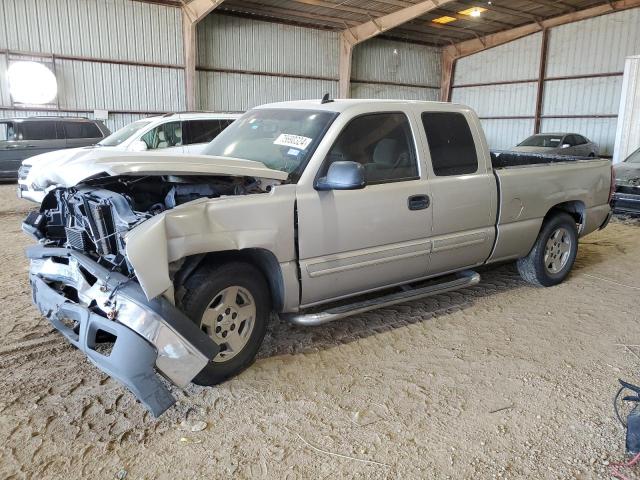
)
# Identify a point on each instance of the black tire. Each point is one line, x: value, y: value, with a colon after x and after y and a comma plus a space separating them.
x: 532, y: 267
x: 200, y: 290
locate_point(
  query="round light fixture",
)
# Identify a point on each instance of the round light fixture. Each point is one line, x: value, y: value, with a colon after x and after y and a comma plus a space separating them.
x: 31, y: 83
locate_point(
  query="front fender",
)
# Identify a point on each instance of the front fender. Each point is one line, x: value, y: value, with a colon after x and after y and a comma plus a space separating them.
x: 262, y: 221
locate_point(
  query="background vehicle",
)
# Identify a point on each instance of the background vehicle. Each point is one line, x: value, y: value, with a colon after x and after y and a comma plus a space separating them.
x: 570, y: 144
x: 22, y: 138
x: 627, y: 196
x: 298, y: 208
x: 183, y: 132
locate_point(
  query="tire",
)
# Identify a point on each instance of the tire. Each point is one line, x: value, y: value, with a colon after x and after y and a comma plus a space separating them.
x: 561, y: 234
x: 206, y: 291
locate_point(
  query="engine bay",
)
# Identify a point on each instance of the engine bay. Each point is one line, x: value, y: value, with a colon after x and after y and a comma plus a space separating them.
x: 94, y: 217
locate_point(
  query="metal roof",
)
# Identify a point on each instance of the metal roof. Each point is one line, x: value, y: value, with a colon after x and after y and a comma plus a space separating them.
x: 340, y: 14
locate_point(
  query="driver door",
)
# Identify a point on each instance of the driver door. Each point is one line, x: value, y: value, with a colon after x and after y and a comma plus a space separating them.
x: 353, y: 241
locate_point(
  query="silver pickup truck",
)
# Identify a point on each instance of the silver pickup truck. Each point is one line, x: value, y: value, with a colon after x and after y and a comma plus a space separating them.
x: 312, y: 210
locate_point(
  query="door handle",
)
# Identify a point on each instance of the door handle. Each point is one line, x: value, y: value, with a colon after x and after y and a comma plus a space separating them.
x: 418, y: 202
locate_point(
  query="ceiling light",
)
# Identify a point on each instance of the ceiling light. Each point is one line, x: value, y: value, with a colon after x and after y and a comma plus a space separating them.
x: 443, y: 20
x: 31, y: 83
x: 473, y: 12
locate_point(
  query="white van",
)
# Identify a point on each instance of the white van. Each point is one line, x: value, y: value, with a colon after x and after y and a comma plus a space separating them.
x: 173, y: 132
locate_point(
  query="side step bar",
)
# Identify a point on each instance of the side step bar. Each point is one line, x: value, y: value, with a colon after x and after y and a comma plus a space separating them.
x: 463, y: 279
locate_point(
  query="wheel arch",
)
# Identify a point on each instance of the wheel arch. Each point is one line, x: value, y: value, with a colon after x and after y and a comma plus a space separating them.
x: 263, y: 259
x: 574, y: 208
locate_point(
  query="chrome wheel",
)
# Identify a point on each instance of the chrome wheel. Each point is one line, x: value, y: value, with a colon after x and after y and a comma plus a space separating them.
x: 557, y: 250
x: 229, y: 320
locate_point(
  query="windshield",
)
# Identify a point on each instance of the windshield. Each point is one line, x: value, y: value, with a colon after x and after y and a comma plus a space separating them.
x: 281, y: 139
x: 551, y: 141
x: 634, y: 157
x: 123, y: 134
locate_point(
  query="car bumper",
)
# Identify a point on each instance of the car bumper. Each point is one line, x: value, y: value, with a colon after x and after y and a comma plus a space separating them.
x: 626, y: 203
x: 81, y: 299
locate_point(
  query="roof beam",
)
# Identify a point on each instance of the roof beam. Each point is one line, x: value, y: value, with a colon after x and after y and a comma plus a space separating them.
x: 469, y: 47
x: 192, y: 13
x: 352, y: 36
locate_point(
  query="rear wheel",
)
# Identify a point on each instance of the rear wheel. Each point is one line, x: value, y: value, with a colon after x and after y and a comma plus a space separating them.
x: 553, y: 254
x: 232, y: 305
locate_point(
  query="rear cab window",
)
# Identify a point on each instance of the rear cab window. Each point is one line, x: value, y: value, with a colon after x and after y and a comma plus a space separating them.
x: 382, y: 143
x: 453, y: 150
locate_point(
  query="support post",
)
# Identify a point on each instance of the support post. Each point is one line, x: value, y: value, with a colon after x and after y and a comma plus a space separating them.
x: 627, y: 131
x: 542, y: 73
x: 192, y: 13
x: 448, y: 70
x: 344, y: 67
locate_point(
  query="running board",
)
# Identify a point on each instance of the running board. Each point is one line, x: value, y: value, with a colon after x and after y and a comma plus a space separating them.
x: 464, y: 279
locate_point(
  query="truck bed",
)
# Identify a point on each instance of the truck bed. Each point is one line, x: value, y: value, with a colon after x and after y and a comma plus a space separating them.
x: 506, y: 159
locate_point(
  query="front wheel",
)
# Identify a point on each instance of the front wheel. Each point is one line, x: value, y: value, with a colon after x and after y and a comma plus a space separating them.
x: 232, y: 305
x: 553, y: 254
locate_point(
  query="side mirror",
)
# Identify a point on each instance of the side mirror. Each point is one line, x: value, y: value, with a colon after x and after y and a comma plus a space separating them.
x: 565, y: 145
x: 138, y: 146
x: 342, y: 176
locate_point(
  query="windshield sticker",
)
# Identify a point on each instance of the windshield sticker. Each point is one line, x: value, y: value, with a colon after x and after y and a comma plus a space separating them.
x: 294, y: 152
x: 295, y: 141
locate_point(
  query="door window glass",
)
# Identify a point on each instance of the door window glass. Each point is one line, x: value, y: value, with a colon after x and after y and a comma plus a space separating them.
x: 38, y: 130
x: 164, y: 136
x: 382, y: 143
x: 453, y: 151
x: 6, y: 131
x: 81, y: 130
x: 203, y: 131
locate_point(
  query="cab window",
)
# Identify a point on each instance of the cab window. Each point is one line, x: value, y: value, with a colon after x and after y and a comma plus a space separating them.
x: 164, y: 136
x: 453, y: 151
x: 81, y: 130
x: 382, y: 143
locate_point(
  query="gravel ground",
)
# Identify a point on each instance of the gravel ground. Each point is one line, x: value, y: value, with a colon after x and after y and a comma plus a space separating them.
x: 497, y: 381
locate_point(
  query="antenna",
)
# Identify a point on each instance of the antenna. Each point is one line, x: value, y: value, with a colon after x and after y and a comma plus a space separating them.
x: 326, y: 99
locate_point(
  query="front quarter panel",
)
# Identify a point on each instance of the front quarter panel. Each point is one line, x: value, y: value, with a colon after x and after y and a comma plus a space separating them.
x: 263, y: 221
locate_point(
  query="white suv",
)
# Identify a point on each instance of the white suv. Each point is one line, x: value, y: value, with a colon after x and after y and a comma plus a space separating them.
x: 175, y: 132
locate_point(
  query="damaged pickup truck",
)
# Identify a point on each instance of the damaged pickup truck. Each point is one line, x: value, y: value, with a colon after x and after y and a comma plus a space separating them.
x: 315, y: 211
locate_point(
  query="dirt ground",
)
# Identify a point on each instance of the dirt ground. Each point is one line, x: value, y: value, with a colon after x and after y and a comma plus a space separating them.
x: 497, y: 381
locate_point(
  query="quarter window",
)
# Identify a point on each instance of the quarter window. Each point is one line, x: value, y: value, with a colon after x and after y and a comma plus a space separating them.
x: 382, y: 143
x: 81, y: 130
x: 453, y: 151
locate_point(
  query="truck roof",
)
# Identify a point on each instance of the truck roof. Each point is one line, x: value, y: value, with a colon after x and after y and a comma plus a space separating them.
x: 341, y: 105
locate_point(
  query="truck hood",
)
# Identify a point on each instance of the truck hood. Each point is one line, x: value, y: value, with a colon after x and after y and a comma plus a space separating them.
x: 77, y: 168
x: 59, y: 156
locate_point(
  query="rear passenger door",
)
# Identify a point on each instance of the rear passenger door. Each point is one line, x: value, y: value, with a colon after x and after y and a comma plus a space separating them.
x: 463, y: 190
x: 197, y: 133
x: 352, y: 241
x: 81, y: 134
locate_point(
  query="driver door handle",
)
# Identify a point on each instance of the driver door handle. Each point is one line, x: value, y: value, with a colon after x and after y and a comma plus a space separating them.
x: 418, y: 202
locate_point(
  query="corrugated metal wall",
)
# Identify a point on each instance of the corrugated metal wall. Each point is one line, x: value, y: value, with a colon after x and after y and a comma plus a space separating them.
x: 116, y: 55
x: 390, y: 69
x: 243, y: 63
x: 500, y: 85
x: 581, y: 91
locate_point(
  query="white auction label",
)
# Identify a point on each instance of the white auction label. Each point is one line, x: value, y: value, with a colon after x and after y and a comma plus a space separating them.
x: 295, y: 141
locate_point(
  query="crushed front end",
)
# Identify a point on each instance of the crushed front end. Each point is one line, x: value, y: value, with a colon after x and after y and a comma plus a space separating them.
x: 83, y: 283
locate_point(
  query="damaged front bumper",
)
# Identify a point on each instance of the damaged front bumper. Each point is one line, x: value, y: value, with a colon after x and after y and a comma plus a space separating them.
x: 82, y: 299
